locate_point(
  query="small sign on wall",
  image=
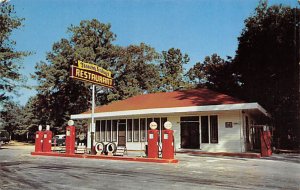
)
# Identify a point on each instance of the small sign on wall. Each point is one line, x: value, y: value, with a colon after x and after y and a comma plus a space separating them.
x: 228, y: 124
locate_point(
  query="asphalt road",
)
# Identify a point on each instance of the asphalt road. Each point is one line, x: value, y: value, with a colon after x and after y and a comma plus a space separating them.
x: 20, y: 170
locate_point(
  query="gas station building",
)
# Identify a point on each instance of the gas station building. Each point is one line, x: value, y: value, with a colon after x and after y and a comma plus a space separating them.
x: 201, y: 119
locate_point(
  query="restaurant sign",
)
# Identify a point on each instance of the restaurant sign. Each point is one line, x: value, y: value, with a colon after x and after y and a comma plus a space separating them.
x: 91, y: 73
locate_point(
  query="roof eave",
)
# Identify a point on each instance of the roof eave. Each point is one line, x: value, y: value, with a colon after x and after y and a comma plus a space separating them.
x: 223, y: 107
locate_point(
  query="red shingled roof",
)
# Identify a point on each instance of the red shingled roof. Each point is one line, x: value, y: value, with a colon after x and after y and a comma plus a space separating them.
x: 185, y: 98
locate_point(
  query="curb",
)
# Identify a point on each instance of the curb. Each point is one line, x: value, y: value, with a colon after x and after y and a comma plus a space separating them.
x: 134, y: 159
x: 231, y: 154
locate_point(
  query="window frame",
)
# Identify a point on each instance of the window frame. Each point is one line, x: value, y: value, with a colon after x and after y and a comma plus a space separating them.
x: 138, y: 130
x: 129, y: 132
x: 214, y: 129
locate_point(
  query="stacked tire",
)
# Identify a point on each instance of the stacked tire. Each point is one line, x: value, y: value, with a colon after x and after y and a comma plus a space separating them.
x: 100, y: 148
x: 109, y: 148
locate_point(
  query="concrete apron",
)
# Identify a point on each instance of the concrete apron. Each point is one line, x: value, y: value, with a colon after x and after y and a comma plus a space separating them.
x: 230, y: 154
x: 135, y: 159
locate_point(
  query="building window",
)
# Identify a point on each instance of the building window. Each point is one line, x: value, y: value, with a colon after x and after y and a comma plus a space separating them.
x: 213, y: 129
x: 157, y: 121
x: 247, y: 130
x: 136, y: 130
x: 163, y: 120
x: 108, y: 131
x: 114, y: 130
x: 143, y: 129
x: 97, y: 133
x: 129, y: 130
x: 189, y: 119
x: 102, y: 130
x: 204, y: 129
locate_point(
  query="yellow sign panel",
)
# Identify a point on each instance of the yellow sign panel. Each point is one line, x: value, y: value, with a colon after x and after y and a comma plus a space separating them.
x: 95, y: 68
x: 90, y: 76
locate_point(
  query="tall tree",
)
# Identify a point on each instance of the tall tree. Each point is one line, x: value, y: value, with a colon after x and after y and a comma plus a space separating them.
x: 267, y: 63
x: 29, y: 116
x: 58, y: 95
x: 91, y: 41
x: 215, y: 73
x: 11, y: 116
x: 135, y: 72
x: 172, y: 69
x: 10, y: 77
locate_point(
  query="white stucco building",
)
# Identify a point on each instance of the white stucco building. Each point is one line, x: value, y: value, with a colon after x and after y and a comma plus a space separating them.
x: 201, y: 118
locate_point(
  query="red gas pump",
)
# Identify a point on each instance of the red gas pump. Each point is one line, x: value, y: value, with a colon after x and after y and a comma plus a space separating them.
x: 47, y: 139
x: 168, y: 141
x: 70, y: 138
x: 153, y: 141
x: 265, y: 139
x: 39, y: 140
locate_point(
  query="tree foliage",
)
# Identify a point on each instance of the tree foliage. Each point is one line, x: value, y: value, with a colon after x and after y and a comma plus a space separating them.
x: 10, y: 77
x: 266, y: 60
x: 172, y: 69
x: 135, y: 72
x: 215, y: 73
x: 11, y: 117
x: 59, y: 96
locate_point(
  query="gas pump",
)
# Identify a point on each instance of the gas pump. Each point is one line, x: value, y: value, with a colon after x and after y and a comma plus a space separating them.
x: 167, y: 141
x: 39, y: 140
x: 153, y: 141
x: 47, y: 139
x: 265, y: 140
x: 70, y: 137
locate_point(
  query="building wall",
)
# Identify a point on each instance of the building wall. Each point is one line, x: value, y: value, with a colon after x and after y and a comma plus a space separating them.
x: 229, y: 139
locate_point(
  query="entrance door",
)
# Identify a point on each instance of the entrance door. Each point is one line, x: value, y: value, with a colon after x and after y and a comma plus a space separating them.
x: 256, y: 138
x: 122, y: 134
x: 190, y: 135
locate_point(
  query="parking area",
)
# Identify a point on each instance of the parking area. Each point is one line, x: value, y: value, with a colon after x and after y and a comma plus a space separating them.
x: 20, y: 170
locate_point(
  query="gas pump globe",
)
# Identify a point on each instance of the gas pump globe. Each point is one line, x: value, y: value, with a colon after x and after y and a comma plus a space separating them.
x: 168, y: 125
x: 153, y: 141
x: 167, y: 141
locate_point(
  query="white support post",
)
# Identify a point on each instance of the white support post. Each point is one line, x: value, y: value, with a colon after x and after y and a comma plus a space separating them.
x: 93, y: 113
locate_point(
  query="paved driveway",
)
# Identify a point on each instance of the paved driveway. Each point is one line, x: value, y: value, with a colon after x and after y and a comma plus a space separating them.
x: 20, y: 170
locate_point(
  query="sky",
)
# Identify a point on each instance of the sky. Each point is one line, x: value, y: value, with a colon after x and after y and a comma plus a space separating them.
x: 198, y: 28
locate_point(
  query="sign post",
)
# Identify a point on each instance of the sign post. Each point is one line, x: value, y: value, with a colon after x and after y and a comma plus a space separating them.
x: 97, y: 76
x: 93, y: 128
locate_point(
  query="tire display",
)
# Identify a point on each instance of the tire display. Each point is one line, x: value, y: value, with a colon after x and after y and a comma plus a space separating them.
x: 111, y: 147
x: 100, y: 147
